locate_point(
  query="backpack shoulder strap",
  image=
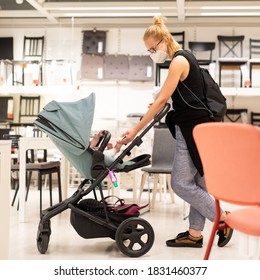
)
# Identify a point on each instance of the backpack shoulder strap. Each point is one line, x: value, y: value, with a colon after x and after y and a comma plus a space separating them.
x: 188, y: 55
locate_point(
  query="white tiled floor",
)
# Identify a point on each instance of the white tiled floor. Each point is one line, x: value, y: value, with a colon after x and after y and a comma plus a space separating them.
x: 166, y: 220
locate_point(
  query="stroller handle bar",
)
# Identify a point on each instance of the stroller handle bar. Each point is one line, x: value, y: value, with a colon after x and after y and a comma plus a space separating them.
x: 162, y: 113
x: 156, y: 119
x: 138, y: 139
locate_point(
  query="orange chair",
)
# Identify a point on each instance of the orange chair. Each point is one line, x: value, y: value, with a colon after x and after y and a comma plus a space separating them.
x: 230, y: 154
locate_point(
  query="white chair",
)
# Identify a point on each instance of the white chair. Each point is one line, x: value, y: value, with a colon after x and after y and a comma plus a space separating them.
x: 254, y: 56
x: 161, y: 163
x: 231, y: 54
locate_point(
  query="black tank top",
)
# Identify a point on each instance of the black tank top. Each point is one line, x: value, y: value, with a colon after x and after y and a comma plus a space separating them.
x: 185, y: 116
x: 183, y: 112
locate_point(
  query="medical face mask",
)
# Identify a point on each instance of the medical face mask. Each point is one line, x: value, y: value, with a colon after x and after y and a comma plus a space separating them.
x: 159, y: 56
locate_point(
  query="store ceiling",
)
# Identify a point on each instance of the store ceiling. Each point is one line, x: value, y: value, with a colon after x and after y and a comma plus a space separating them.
x: 126, y: 13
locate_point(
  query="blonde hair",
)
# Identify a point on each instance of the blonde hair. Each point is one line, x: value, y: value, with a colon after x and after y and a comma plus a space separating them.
x: 159, y: 31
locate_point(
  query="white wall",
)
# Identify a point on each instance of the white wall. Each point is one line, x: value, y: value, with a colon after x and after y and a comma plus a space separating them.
x: 117, y: 99
x: 66, y: 43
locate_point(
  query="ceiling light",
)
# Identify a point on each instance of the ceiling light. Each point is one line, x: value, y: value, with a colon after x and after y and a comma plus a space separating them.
x: 104, y: 8
x: 230, y: 7
x: 230, y: 14
x: 19, y: 1
x: 112, y: 14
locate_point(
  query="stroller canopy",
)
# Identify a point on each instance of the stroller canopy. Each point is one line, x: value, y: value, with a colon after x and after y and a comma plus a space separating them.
x: 68, y: 124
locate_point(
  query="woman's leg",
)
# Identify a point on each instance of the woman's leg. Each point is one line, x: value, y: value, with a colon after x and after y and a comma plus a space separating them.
x: 190, y: 186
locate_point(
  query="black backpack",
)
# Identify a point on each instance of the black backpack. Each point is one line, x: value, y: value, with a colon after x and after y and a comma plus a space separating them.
x: 215, y: 101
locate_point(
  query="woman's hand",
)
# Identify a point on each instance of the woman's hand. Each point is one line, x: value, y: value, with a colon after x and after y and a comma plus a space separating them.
x: 127, y: 137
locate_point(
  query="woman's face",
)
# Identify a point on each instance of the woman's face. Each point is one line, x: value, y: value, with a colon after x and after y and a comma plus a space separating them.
x: 153, y: 45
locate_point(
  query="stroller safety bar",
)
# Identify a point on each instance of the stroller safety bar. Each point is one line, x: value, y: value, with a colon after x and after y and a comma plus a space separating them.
x: 103, y: 142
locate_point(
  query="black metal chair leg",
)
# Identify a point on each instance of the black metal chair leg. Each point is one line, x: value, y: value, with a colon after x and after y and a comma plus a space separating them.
x: 50, y: 188
x: 40, y: 188
x: 15, y: 192
x: 59, y: 185
x: 28, y: 183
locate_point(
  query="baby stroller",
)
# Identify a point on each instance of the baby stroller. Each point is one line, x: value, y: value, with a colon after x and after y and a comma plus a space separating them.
x: 68, y: 125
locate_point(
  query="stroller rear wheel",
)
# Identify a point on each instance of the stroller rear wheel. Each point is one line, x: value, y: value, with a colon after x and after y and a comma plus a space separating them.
x: 134, y: 237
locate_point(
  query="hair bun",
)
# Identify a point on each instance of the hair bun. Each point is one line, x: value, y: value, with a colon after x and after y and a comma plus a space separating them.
x: 159, y: 20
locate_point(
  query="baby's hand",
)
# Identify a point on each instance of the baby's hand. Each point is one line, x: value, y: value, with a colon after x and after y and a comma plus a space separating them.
x: 101, y: 133
x: 117, y: 146
x: 109, y: 146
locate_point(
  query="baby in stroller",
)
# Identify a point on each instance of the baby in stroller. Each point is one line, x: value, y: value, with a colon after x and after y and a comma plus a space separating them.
x: 110, y: 150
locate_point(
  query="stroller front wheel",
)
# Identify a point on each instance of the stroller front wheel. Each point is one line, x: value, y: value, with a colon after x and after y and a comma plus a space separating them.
x: 134, y: 237
x: 43, y: 236
x: 43, y: 242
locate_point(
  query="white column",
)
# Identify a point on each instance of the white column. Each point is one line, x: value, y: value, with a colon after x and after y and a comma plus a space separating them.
x: 5, y: 186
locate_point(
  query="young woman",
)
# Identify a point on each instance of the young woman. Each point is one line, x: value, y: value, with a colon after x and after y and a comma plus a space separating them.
x: 187, y: 175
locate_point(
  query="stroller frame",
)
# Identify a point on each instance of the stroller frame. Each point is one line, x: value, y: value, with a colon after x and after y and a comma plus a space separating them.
x: 131, y: 228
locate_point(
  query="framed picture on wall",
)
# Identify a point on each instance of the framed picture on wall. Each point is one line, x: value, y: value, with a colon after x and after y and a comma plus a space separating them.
x: 6, y: 48
x: 6, y: 108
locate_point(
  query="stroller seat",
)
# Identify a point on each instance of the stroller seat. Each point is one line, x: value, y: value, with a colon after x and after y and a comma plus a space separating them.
x: 57, y: 119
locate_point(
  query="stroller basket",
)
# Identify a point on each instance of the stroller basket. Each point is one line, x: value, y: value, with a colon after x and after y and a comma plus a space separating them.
x: 89, y: 220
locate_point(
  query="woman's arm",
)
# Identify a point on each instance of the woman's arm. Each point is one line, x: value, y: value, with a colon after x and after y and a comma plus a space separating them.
x: 179, y: 69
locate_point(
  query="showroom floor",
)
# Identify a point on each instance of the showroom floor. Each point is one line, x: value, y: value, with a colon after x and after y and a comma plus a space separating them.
x: 167, y: 220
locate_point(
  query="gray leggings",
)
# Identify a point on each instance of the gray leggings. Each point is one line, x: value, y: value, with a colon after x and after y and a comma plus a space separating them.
x: 190, y: 186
